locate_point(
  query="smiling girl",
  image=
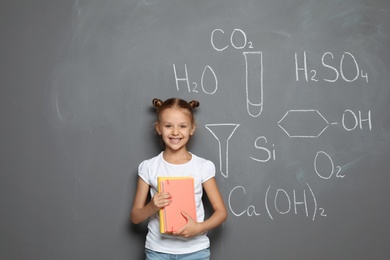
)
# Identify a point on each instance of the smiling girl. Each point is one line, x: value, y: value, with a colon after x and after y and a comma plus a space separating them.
x: 176, y: 125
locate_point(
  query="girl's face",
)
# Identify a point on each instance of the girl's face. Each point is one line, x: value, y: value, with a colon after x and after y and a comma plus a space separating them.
x: 175, y: 127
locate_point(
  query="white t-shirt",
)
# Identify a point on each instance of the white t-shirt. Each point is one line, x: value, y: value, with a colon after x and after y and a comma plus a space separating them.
x: 199, y: 168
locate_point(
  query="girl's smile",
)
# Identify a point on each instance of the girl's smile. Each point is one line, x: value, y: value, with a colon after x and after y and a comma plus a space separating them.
x: 175, y: 140
x: 175, y: 127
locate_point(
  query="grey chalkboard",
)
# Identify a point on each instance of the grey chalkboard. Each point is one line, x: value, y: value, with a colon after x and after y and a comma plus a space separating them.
x: 294, y: 112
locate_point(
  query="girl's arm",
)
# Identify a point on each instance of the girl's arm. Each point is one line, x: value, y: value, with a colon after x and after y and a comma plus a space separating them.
x: 218, y: 217
x: 220, y: 212
x: 142, y: 211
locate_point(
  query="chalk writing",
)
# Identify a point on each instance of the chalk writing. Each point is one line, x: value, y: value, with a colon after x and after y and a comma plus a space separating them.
x: 332, y: 171
x: 223, y: 143
x: 338, y: 73
x: 303, y: 131
x: 270, y: 154
x: 358, y: 120
x: 280, y: 202
x: 254, y: 82
x: 295, y: 123
x: 237, y: 33
x: 313, y: 123
x: 193, y: 87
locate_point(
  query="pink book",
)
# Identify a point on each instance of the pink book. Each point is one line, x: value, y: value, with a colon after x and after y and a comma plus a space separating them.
x: 183, y: 199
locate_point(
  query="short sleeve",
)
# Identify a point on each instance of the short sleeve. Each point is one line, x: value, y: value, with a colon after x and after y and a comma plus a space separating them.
x: 143, y: 172
x: 208, y: 171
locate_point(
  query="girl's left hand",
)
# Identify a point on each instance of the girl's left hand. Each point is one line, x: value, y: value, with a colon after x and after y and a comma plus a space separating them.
x: 191, y: 229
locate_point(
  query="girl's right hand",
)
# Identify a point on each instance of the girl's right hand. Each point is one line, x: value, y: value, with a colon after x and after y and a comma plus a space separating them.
x: 161, y: 200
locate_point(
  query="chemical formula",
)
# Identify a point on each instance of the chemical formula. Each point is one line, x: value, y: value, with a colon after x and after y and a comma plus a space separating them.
x: 294, y: 123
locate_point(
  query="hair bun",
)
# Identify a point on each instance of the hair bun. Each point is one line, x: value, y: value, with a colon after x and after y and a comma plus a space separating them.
x: 157, y: 102
x: 193, y: 103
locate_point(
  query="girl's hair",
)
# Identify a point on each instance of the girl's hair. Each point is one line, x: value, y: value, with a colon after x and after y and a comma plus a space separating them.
x: 188, y: 107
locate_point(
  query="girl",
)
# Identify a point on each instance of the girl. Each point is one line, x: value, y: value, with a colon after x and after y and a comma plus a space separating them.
x: 176, y: 125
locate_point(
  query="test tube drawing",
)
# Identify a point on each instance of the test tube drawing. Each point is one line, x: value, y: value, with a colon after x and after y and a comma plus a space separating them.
x: 254, y: 82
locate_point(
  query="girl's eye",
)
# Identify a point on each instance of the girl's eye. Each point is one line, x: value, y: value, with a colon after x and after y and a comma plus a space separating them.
x: 183, y: 126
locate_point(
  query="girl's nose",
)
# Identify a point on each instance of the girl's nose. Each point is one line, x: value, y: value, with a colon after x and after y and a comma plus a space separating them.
x: 175, y: 130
